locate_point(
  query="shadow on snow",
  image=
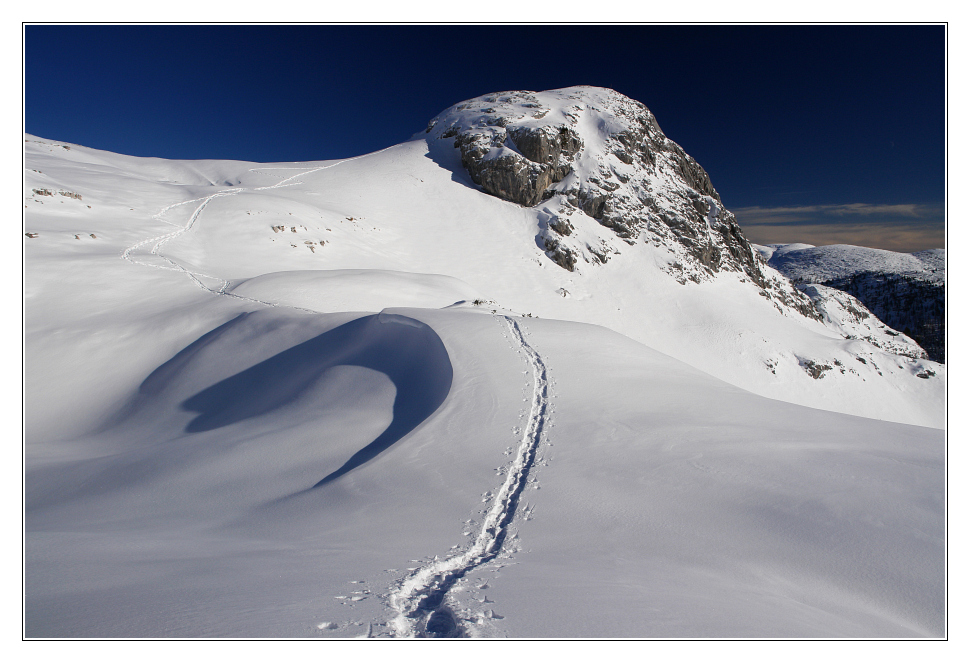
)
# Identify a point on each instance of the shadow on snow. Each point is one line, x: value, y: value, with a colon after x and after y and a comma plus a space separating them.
x: 407, y: 351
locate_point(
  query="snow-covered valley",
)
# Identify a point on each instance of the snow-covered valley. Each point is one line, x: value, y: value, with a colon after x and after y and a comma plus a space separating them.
x: 367, y: 398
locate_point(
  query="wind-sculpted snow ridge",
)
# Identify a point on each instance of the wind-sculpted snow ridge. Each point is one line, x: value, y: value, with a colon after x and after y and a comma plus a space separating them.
x: 419, y: 602
x: 587, y: 158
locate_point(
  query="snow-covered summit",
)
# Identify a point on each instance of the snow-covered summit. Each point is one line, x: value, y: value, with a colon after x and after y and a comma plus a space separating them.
x: 588, y: 158
x: 407, y: 226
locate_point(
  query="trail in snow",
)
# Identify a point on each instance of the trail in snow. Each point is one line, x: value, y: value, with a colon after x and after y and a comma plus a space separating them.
x: 196, y: 277
x: 160, y: 240
x: 419, y: 601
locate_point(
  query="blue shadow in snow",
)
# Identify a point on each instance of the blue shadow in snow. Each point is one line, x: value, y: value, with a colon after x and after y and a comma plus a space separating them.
x: 409, y: 352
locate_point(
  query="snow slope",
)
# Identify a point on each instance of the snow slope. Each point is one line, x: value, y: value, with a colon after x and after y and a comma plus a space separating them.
x: 231, y: 431
x: 573, y: 481
x: 401, y: 210
x: 906, y: 291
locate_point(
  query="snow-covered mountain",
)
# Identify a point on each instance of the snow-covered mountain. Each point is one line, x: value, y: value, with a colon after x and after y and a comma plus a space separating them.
x: 805, y: 263
x: 519, y: 376
x: 906, y: 291
x: 583, y: 154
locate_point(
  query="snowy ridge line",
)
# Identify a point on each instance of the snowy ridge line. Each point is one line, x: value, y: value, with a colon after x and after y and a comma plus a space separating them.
x: 225, y: 284
x: 286, y: 182
x: 423, y: 592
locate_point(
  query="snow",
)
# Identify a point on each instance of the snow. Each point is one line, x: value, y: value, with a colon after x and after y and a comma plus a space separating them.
x: 354, y: 289
x: 845, y: 314
x: 658, y: 503
x: 818, y: 264
x: 228, y: 434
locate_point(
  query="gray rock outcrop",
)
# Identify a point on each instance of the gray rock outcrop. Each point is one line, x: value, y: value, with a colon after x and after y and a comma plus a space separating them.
x: 586, y: 155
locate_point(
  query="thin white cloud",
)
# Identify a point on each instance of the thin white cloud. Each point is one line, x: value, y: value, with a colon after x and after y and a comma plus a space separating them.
x: 820, y: 214
x: 903, y: 228
x: 891, y: 237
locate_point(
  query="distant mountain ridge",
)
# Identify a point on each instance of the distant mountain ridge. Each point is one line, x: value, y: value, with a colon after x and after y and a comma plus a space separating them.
x: 906, y: 291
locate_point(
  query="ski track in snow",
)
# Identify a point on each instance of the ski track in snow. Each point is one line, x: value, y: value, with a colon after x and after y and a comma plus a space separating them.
x: 419, y: 600
x: 196, y: 277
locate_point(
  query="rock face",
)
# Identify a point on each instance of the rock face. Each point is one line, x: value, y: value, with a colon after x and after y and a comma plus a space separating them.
x: 584, y: 157
x: 535, y: 159
x: 906, y: 291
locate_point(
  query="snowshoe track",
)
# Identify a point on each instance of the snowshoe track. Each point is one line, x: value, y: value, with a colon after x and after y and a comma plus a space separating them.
x: 419, y: 601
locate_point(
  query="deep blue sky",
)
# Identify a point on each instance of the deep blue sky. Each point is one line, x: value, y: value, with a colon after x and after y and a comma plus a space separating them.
x: 835, y: 127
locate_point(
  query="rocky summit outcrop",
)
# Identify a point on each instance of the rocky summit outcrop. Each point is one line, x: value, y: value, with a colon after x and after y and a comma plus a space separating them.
x: 533, y: 158
x: 588, y: 159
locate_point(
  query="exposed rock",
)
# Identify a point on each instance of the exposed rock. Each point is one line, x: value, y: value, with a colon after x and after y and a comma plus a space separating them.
x: 561, y: 255
x: 561, y: 226
x: 594, y: 154
x: 554, y: 146
x: 517, y: 165
x: 817, y: 371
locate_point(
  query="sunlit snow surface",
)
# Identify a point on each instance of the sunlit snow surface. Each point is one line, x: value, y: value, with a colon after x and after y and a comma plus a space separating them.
x: 226, y: 437
x: 818, y: 264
